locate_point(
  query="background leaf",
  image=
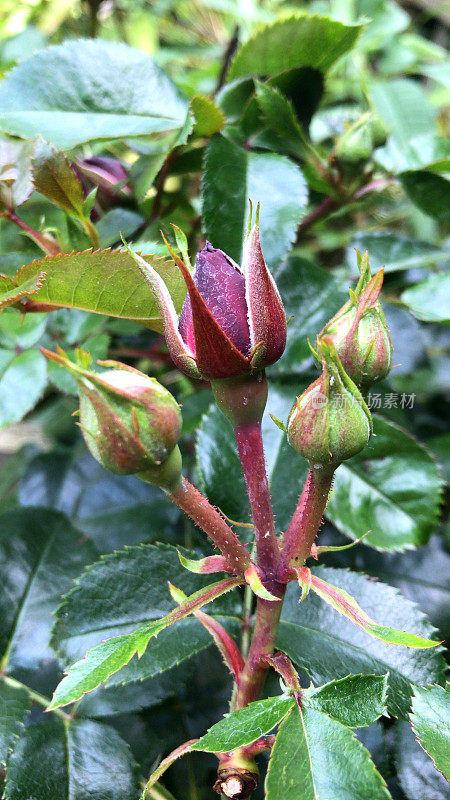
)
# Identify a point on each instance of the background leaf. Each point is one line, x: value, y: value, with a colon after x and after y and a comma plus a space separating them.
x: 89, y: 90
x: 15, y: 171
x: 22, y: 383
x: 429, y: 300
x: 232, y: 176
x: 418, y: 777
x: 14, y: 707
x: 430, y: 719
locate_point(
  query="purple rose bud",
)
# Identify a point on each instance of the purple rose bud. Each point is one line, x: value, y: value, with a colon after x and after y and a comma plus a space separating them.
x: 233, y: 321
x: 108, y: 174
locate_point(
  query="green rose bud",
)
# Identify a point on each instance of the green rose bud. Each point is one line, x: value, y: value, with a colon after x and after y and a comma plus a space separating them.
x: 359, y: 331
x: 130, y: 422
x: 355, y: 144
x: 330, y: 421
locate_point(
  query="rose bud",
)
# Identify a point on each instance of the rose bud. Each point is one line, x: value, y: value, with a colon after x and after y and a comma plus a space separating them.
x: 108, y: 174
x: 330, y: 421
x: 130, y: 422
x: 233, y: 321
x: 359, y: 330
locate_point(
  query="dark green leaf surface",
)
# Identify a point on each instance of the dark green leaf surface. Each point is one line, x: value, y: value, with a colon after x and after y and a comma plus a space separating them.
x: 22, y: 384
x: 316, y: 757
x: 355, y: 701
x: 121, y: 593
x: 233, y: 175
x: 88, y: 90
x: 395, y: 252
x: 430, y: 299
x: 244, y: 726
x: 40, y: 554
x: 14, y: 707
x: 77, y: 761
x: 105, y: 282
x: 296, y: 41
x: 430, y: 719
x: 391, y: 488
x: 429, y: 192
x: 417, y: 774
x: 329, y: 647
x: 113, y: 510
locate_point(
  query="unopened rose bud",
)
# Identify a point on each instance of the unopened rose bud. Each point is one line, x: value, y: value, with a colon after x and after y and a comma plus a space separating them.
x: 233, y: 321
x: 330, y: 421
x: 110, y: 177
x: 130, y: 422
x: 356, y: 143
x: 359, y: 330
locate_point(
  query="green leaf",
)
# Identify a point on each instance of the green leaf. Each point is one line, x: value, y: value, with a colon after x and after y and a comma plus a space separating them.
x: 430, y: 719
x: 429, y: 300
x: 423, y: 151
x: 429, y: 192
x: 403, y: 106
x: 22, y: 384
x: 89, y: 90
x: 417, y: 774
x: 394, y: 486
x: 15, y: 172
x: 105, y: 282
x: 345, y: 604
x: 232, y: 176
x: 394, y: 252
x: 327, y: 646
x: 19, y: 331
x: 280, y: 116
x: 296, y: 41
x: 10, y: 293
x: 110, y: 656
x: 54, y: 178
x: 40, y: 554
x: 355, y: 701
x: 246, y: 725
x: 209, y: 118
x: 316, y: 757
x: 14, y: 707
x: 71, y: 761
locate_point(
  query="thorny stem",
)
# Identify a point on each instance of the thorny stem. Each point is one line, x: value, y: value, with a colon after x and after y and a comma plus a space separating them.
x: 46, y: 243
x: 37, y: 698
x: 305, y: 523
x: 199, y: 509
x: 253, y: 675
x: 251, y: 453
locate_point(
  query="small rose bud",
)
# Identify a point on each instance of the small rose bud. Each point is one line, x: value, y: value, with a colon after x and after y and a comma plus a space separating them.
x: 330, y: 421
x: 130, y: 422
x: 233, y: 321
x: 356, y: 143
x: 359, y: 330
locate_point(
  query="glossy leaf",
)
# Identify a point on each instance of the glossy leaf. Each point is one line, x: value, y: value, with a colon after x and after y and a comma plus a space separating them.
x: 71, y: 762
x: 233, y: 175
x: 40, y: 554
x: 242, y: 727
x: 88, y: 90
x: 315, y: 756
x: 329, y: 647
x: 429, y: 192
x: 430, y: 719
x: 54, y: 178
x: 101, y: 661
x: 417, y: 774
x: 394, y: 486
x: 14, y: 707
x: 298, y: 40
x: 429, y: 300
x: 345, y: 604
x: 355, y: 701
x: 395, y: 252
x: 22, y: 384
x: 105, y: 282
x: 15, y: 172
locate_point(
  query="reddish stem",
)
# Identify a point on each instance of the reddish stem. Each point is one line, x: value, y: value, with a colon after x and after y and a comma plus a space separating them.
x: 46, y: 243
x: 198, y: 508
x: 251, y: 452
x: 299, y: 537
x: 252, y: 677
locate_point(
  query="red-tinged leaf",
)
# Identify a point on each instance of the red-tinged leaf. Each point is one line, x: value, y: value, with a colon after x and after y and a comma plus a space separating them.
x: 205, y: 566
x: 342, y: 602
x: 103, y: 281
x: 180, y: 751
x: 103, y: 660
x: 11, y: 293
x: 283, y: 665
x: 254, y: 577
